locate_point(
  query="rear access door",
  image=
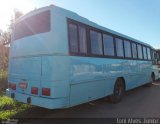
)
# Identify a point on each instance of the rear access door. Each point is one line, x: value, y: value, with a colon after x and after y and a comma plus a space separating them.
x: 25, y: 72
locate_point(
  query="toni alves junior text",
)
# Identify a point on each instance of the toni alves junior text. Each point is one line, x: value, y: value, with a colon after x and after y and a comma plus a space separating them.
x: 138, y: 120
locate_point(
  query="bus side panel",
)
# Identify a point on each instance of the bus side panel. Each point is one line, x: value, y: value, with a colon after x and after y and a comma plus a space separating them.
x: 87, y: 80
x: 142, y: 72
x: 78, y: 94
x: 109, y: 85
x: 137, y: 74
x: 105, y: 70
x: 117, y: 68
x: 134, y: 75
x: 85, y: 92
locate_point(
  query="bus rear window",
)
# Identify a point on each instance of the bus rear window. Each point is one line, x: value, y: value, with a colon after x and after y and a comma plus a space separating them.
x: 36, y: 24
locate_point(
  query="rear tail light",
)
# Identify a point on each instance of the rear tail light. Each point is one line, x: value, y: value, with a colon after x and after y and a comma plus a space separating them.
x: 12, y: 86
x: 46, y: 91
x: 34, y: 90
x: 23, y: 85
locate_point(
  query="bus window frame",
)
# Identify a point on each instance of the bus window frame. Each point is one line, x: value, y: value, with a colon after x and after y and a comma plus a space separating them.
x: 89, y: 54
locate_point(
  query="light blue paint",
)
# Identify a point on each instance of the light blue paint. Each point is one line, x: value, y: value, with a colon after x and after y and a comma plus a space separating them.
x: 43, y: 61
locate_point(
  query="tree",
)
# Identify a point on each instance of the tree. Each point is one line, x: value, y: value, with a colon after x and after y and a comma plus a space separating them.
x: 3, y: 57
x: 5, y: 39
x: 15, y: 17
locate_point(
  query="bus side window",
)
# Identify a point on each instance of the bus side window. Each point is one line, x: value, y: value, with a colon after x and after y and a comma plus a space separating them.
x: 127, y: 48
x: 108, y: 45
x: 149, y: 53
x: 145, y: 53
x: 140, y: 53
x: 119, y: 47
x: 73, y: 38
x: 96, y: 43
x: 82, y: 39
x: 134, y: 50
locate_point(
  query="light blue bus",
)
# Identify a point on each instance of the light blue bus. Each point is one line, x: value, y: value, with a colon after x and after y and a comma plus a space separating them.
x: 59, y: 59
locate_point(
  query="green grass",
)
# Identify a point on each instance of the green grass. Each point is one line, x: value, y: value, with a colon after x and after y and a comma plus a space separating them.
x: 9, y: 108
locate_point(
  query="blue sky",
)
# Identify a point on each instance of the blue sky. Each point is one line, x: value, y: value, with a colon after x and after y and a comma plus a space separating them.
x: 139, y: 19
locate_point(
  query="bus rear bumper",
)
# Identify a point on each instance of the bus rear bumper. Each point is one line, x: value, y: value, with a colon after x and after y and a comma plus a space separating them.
x: 53, y: 103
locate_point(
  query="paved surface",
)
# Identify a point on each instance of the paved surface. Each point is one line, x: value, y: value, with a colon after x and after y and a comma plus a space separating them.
x: 142, y: 102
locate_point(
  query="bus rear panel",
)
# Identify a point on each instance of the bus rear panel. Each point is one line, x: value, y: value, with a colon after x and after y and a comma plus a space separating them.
x: 36, y: 62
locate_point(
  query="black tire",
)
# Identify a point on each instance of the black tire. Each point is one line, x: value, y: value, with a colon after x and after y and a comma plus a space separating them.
x: 151, y: 81
x: 152, y: 78
x: 118, y: 92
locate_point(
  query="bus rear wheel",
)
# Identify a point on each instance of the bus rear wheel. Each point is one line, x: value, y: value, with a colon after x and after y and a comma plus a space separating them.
x: 118, y: 93
x: 152, y: 80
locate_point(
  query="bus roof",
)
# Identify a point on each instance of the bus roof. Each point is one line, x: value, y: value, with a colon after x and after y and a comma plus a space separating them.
x: 75, y: 16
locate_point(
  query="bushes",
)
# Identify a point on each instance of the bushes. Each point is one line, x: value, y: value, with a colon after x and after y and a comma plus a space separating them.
x: 4, y: 52
x: 9, y: 107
